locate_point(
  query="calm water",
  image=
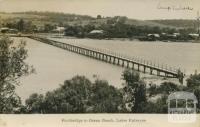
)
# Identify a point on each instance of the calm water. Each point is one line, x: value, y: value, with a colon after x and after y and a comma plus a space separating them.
x: 54, y: 65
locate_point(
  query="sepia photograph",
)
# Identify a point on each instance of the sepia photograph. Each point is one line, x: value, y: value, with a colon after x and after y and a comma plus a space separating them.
x: 78, y: 63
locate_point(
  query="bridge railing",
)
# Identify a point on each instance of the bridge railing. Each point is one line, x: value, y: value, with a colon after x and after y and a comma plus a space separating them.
x: 134, y: 59
x: 124, y: 56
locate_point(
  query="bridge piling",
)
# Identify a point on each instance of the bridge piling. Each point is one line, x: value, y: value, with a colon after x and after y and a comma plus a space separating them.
x: 111, y: 57
x: 122, y: 63
x: 138, y: 67
x: 127, y: 64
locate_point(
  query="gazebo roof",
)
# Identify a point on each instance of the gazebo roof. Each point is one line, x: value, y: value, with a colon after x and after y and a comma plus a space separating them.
x: 182, y: 95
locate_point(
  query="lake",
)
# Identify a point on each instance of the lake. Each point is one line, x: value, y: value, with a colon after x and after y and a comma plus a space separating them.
x: 54, y: 66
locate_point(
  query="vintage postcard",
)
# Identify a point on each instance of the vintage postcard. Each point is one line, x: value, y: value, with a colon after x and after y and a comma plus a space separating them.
x: 99, y: 63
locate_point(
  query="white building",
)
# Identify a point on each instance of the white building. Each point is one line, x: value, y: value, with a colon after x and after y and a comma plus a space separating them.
x: 154, y: 35
x: 59, y: 29
x: 96, y: 32
x: 193, y: 35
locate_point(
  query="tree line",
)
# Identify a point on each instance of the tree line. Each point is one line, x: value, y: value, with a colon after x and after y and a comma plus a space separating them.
x: 79, y: 95
x: 113, y: 27
x: 118, y: 28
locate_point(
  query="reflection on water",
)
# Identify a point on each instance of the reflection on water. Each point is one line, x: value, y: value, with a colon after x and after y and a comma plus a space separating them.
x: 54, y: 65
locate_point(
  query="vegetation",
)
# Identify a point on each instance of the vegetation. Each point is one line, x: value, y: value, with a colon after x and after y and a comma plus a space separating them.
x: 177, y: 23
x: 21, y: 26
x: 72, y: 19
x: 193, y: 85
x: 12, y: 67
x: 77, y: 95
x: 134, y: 91
x: 117, y: 27
x: 113, y: 27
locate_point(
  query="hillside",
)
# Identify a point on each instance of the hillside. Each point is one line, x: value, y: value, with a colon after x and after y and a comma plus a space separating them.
x: 177, y: 23
x: 41, y: 18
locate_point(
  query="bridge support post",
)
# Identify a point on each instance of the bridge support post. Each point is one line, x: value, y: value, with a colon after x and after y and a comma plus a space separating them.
x: 158, y: 73
x: 99, y: 56
x: 114, y: 60
x: 151, y: 71
x: 138, y: 67
x: 86, y: 53
x: 127, y: 64
x: 118, y: 62
x: 83, y: 52
x: 92, y: 53
x: 144, y: 69
x: 133, y: 66
x: 107, y: 58
x: 110, y: 59
x: 102, y: 57
x: 95, y: 55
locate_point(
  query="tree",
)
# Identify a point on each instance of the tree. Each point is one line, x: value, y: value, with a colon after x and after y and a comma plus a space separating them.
x: 48, y: 28
x: 20, y: 25
x: 193, y: 81
x: 29, y: 27
x: 35, y: 103
x: 12, y: 67
x: 98, y: 16
x: 167, y: 88
x: 193, y: 85
x: 160, y: 106
x: 197, y: 94
x: 78, y: 95
x: 134, y: 90
x: 72, y: 97
x: 105, y: 98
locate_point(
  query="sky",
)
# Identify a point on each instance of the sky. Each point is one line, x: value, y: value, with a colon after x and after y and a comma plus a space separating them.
x: 136, y: 9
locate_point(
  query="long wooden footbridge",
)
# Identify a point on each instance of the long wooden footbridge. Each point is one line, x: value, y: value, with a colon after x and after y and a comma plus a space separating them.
x: 115, y: 58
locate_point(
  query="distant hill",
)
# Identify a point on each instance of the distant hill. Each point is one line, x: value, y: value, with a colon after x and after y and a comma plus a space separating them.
x: 177, y: 23
x: 41, y: 18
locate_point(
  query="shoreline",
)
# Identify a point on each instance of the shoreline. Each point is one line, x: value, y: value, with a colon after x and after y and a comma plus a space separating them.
x: 129, y: 39
x: 53, y: 35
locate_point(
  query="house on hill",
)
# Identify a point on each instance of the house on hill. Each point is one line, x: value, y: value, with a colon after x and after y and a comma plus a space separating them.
x: 59, y: 29
x: 96, y: 34
x: 193, y: 36
x: 4, y: 29
x: 8, y: 30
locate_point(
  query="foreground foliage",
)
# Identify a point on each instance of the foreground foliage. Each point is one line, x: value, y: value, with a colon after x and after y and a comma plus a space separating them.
x: 12, y: 67
x: 77, y: 95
